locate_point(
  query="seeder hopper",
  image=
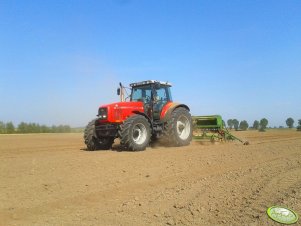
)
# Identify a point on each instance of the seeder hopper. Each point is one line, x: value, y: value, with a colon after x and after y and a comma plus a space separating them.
x: 212, y: 128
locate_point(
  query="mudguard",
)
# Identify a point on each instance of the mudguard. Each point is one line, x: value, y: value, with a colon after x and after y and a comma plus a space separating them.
x: 169, y: 108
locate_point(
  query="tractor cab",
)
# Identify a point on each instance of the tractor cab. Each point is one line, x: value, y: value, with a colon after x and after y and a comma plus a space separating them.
x: 154, y: 95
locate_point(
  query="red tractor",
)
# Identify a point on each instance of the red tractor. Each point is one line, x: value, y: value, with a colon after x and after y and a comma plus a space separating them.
x: 150, y: 114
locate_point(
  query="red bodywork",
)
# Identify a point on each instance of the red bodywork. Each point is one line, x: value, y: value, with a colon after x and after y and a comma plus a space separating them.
x: 118, y: 112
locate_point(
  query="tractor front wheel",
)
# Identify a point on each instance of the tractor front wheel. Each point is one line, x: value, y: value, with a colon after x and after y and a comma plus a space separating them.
x: 93, y: 142
x: 179, y: 127
x: 135, y: 133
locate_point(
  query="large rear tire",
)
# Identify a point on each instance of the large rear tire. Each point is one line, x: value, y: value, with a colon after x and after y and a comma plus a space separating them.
x: 93, y: 142
x: 135, y: 133
x: 179, y: 128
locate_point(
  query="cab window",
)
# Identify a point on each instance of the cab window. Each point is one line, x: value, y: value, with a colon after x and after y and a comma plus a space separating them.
x: 141, y: 94
x: 163, y: 94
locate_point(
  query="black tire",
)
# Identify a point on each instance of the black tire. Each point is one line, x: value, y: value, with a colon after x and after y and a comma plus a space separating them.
x: 93, y: 142
x: 178, y: 130
x: 135, y: 133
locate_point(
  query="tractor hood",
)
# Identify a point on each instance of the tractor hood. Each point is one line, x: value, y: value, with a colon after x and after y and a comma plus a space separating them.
x: 119, y: 111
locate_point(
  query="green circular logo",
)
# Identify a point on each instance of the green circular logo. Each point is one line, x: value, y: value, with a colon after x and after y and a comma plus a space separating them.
x: 282, y: 215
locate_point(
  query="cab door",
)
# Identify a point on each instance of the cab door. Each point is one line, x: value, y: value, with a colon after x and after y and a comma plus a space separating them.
x: 160, y: 99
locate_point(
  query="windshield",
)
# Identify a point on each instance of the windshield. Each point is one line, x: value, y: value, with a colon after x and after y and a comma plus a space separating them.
x: 141, y: 93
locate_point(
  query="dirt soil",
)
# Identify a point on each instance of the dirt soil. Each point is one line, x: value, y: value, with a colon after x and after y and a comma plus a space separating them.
x: 49, y: 179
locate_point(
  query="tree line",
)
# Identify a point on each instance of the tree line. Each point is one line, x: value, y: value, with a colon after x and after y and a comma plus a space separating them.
x: 23, y: 127
x: 259, y: 125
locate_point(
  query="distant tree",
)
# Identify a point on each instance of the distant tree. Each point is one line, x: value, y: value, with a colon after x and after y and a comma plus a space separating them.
x: 60, y: 129
x: 299, y: 125
x: 244, y: 125
x: 31, y: 127
x: 10, y: 128
x: 63, y: 129
x: 23, y: 127
x: 67, y: 129
x: 34, y: 128
x: 45, y: 129
x: 290, y: 122
x: 235, y: 123
x: 54, y: 129
x: 37, y: 128
x: 230, y: 123
x: 2, y: 127
x: 263, y: 124
x: 256, y: 125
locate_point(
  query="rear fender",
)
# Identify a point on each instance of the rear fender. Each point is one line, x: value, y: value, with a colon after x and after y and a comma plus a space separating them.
x: 169, y: 108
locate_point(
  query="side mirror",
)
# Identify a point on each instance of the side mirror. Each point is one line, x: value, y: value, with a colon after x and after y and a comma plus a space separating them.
x: 118, y: 91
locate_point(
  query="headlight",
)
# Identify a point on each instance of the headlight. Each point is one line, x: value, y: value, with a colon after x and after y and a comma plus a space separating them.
x: 103, y: 113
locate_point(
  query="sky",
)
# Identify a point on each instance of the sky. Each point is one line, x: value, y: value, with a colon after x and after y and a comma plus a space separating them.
x: 61, y: 60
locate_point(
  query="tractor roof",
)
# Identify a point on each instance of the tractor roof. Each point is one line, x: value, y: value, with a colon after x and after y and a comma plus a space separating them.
x: 149, y: 82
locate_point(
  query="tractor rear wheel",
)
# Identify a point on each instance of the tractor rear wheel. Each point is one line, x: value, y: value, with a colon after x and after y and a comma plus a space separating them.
x: 135, y: 133
x: 93, y: 142
x: 179, y: 127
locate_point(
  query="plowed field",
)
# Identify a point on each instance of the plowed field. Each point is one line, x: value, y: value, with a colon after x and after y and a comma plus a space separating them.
x: 49, y: 179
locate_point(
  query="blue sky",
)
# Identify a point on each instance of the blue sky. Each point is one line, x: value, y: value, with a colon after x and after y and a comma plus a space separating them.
x: 60, y: 60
